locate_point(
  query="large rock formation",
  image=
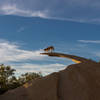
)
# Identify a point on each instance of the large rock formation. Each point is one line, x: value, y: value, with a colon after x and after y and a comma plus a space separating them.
x: 40, y: 89
x: 76, y: 82
x: 80, y: 82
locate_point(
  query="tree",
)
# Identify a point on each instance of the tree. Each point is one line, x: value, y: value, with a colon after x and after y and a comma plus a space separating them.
x: 5, y: 74
x: 9, y: 81
x: 13, y: 83
x: 29, y: 76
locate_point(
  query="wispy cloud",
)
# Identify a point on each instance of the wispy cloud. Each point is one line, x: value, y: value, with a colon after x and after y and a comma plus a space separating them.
x: 44, y: 68
x: 14, y: 10
x: 21, y: 29
x: 71, y: 10
x: 11, y: 52
x: 89, y: 41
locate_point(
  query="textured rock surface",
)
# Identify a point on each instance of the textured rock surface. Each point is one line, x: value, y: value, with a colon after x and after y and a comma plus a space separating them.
x: 41, y: 89
x: 76, y: 82
x: 80, y: 82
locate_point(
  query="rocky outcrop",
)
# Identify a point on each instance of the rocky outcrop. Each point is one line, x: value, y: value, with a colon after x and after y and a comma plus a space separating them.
x: 41, y: 89
x: 74, y: 58
x: 76, y: 82
x: 80, y: 82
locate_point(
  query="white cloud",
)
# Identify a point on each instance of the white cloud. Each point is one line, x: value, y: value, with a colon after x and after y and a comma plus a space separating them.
x: 44, y: 68
x: 71, y: 10
x: 89, y: 41
x: 10, y: 52
x: 14, y: 10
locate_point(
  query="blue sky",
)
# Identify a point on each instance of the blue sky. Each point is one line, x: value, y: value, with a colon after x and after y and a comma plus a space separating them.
x: 28, y: 26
